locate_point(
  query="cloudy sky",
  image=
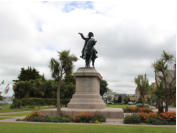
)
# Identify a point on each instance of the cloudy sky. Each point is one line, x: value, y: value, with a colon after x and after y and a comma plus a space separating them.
x: 130, y: 34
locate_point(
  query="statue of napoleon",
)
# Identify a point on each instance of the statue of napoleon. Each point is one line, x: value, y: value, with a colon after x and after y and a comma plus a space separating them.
x: 88, y: 51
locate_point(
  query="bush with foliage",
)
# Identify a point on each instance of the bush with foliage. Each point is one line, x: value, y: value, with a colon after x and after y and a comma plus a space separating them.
x: 20, y: 103
x: 133, y: 119
x: 37, y: 116
x: 87, y: 117
x: 35, y: 88
x: 136, y: 109
x: 159, y: 118
x: 166, y: 118
x: 141, y: 105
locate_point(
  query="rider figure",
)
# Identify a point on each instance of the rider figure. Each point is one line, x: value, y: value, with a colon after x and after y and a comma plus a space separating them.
x: 86, y: 48
x: 90, y: 35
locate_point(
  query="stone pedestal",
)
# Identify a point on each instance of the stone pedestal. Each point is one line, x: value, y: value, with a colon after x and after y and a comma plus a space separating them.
x: 87, y: 93
x: 87, y: 97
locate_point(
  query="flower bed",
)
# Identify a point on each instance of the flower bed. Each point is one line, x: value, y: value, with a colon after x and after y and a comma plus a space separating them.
x: 89, y: 118
x: 85, y: 117
x: 37, y: 116
x: 137, y: 109
x: 166, y: 118
x: 159, y: 118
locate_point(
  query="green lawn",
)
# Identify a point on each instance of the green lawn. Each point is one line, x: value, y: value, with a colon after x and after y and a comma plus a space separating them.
x: 119, y: 105
x: 6, y: 108
x: 16, y: 114
x: 71, y: 128
x: 2, y: 118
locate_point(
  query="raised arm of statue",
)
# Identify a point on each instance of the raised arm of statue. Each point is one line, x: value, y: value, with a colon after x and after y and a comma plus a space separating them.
x: 82, y: 36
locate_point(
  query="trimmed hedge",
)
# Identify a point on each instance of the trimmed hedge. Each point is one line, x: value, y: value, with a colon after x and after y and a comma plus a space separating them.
x: 18, y: 103
x: 133, y: 119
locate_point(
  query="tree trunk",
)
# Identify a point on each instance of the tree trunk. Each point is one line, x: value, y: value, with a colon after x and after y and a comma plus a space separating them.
x: 142, y: 101
x: 166, y: 106
x: 58, y: 97
x: 160, y: 107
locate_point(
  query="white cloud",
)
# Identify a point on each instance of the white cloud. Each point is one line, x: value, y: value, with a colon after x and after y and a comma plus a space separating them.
x: 130, y: 35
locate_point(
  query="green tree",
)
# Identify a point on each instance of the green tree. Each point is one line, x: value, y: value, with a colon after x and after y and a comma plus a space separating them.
x: 28, y: 74
x: 103, y: 87
x: 126, y: 99
x: 67, y: 89
x: 1, y: 98
x: 60, y: 68
x: 116, y: 97
x: 142, y: 86
x: 165, y: 80
x: 120, y: 99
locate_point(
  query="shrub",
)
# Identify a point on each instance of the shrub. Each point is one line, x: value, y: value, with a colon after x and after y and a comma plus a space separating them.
x: 144, y: 109
x: 89, y: 118
x: 98, y: 118
x: 39, y: 117
x: 141, y: 105
x: 133, y: 119
x: 159, y: 119
x: 130, y: 110
x: 137, y: 109
x: 169, y: 116
x: 155, y: 121
x: 19, y: 103
x: 59, y: 119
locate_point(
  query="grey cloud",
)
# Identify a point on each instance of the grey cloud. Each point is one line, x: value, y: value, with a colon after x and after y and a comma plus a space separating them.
x: 125, y: 48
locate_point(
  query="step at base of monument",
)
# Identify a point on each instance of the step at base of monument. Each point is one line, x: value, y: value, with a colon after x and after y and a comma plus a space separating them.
x: 86, y: 106
x: 111, y: 113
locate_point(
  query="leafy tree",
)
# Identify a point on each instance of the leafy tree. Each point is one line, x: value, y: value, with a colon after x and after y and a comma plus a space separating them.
x: 165, y: 80
x: 142, y: 86
x: 1, y: 98
x: 120, y: 99
x: 28, y: 74
x: 116, y: 97
x: 35, y: 88
x: 60, y: 68
x: 67, y: 88
x: 103, y: 87
x: 126, y: 99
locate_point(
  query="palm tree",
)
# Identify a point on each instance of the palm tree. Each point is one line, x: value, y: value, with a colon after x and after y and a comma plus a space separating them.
x: 60, y: 68
x: 164, y: 79
x: 142, y: 86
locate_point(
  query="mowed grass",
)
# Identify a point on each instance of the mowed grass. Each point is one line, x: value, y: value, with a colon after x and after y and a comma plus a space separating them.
x: 6, y: 108
x: 16, y: 114
x: 8, y: 116
x: 71, y: 128
x: 2, y: 118
x: 119, y: 105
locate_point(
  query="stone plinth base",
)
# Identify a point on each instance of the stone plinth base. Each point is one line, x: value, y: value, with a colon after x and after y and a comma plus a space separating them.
x: 115, y: 113
x: 87, y: 95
